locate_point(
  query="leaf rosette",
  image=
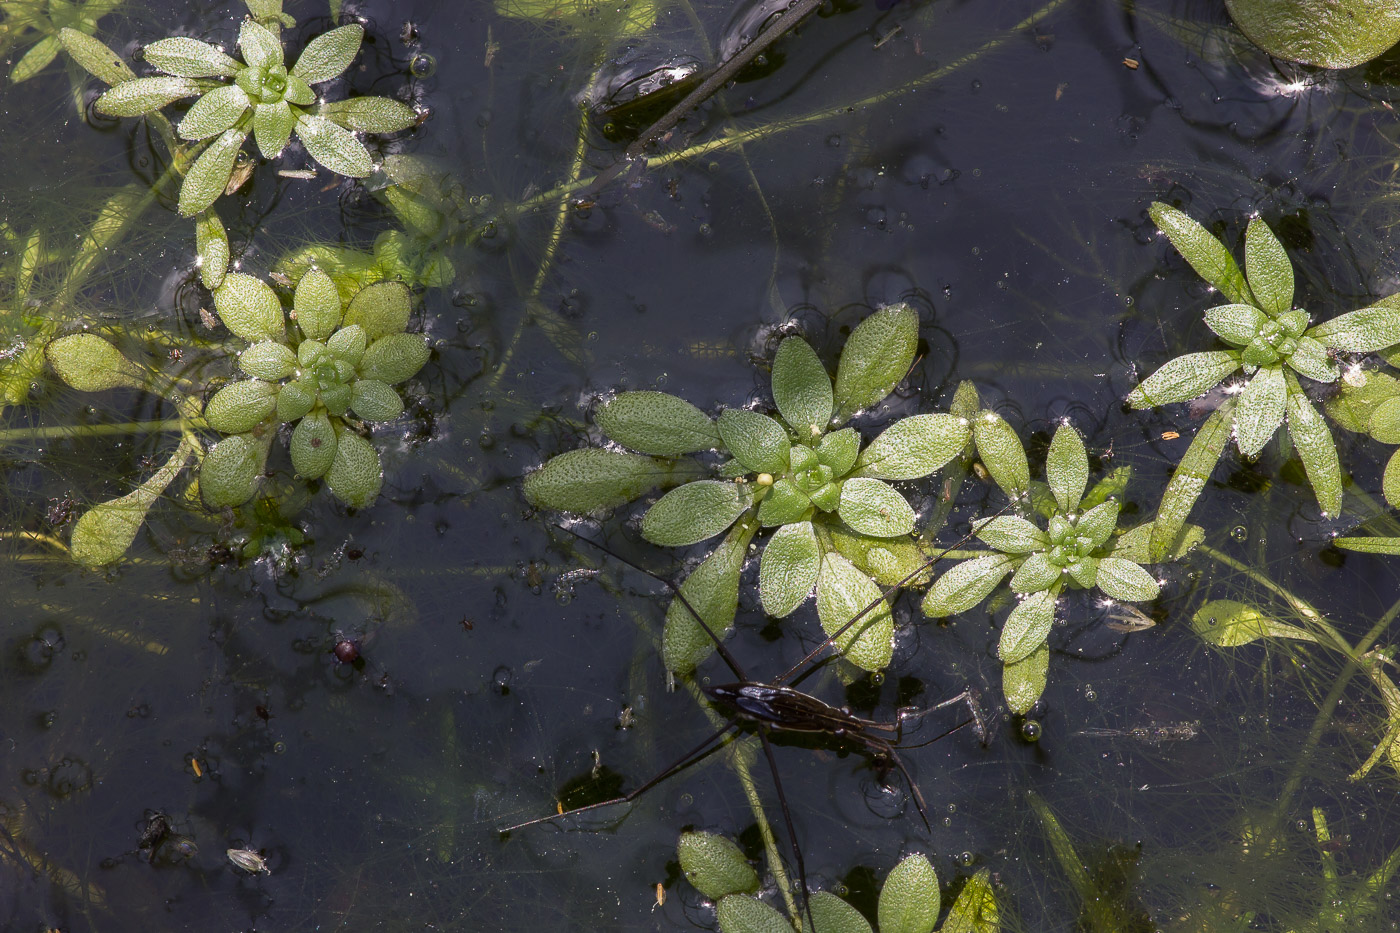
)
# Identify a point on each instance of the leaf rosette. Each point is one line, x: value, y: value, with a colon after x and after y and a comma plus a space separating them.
x: 256, y: 95
x: 1272, y: 345
x: 1075, y: 549
x: 799, y: 471
x: 329, y: 366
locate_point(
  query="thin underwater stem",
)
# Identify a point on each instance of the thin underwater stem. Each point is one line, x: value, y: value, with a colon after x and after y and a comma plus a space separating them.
x: 64, y: 431
x: 739, y: 137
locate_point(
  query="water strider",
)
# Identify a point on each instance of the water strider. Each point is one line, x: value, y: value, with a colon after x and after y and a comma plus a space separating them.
x: 778, y: 706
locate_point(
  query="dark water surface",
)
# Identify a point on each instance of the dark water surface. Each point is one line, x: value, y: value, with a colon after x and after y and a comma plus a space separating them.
x: 990, y: 166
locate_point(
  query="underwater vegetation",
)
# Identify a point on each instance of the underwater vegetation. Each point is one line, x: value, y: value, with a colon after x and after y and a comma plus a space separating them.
x: 319, y: 334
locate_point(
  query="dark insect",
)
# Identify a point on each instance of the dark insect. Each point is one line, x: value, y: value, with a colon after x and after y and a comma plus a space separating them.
x: 778, y: 706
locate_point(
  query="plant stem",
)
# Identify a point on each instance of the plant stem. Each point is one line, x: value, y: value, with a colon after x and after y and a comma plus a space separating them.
x: 63, y: 431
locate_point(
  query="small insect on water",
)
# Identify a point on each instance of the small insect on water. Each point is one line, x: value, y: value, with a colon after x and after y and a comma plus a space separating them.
x: 249, y: 860
x: 778, y: 706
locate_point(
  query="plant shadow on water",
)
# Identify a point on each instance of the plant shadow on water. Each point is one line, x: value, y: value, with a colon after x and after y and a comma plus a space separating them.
x: 355, y: 699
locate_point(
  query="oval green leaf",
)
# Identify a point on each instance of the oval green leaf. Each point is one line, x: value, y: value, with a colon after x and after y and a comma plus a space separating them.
x: 1267, y: 268
x: 394, y: 358
x: 694, y: 512
x: 369, y: 114
x: 876, y: 357
x: 1364, y: 331
x: 1027, y: 627
x: 1067, y: 467
x: 189, y: 58
x: 1001, y: 453
x: 1207, y: 255
x: 801, y: 388
x: 211, y: 248
x: 714, y: 866
x: 909, y: 901
x: 657, y: 423
x: 1184, y: 378
x: 788, y: 569
x: 329, y: 54
x: 230, y: 471
x: 914, y: 447
x: 843, y: 592
x: 1330, y: 34
x: 739, y: 913
x: 1010, y: 534
x: 1125, y: 580
x: 381, y: 309
x: 873, y: 507
x: 965, y: 585
x: 712, y: 590
x: 90, y: 364
x: 249, y: 308
x: 1022, y: 683
x: 356, y: 473
x: 1312, y: 439
x: 240, y: 407
x: 1262, y: 406
x: 830, y: 914
x: 756, y: 441
x: 105, y: 531
x: 588, y: 479
x: 334, y: 147
x: 317, y: 305
x: 209, y: 175
x: 313, y: 445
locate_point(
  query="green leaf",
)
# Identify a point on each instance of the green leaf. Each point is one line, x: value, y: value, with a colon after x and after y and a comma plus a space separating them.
x: 298, y: 92
x: 1010, y: 534
x: 788, y: 569
x: 105, y: 531
x: 965, y: 585
x: 657, y: 423
x: 372, y: 400
x: 1098, y: 523
x: 369, y: 114
x: 842, y: 593
x: 1269, y: 272
x: 694, y: 512
x: 909, y: 901
x: 1184, y: 378
x: 838, y: 450
x: 39, y: 56
x: 94, y: 57
x: 317, y: 305
x: 756, y: 441
x: 142, y: 95
x: 714, y: 866
x: 1313, y: 441
x: 329, y: 54
x: 211, y: 248
x: 1262, y: 407
x: 1329, y: 35
x: 380, y: 309
x: 272, y: 127
x: 1027, y: 627
x: 90, y: 364
x: 1207, y: 255
x: 209, y: 175
x: 589, y: 479
x: 876, y: 357
x: 1230, y: 624
x: 313, y: 445
x: 1022, y: 683
x: 713, y: 591
x: 1236, y: 324
x: 1364, y: 331
x: 347, y: 344
x: 231, y: 468
x: 1067, y: 467
x: 334, y: 147
x: 356, y: 473
x: 269, y: 361
x: 888, y: 561
x: 1189, y: 478
x: 249, y: 308
x: 1135, y: 544
x: 801, y: 388
x: 1390, y: 481
x: 914, y: 447
x: 1001, y: 453
x: 240, y: 407
x: 1310, y: 359
x: 394, y: 358
x: 1360, y: 394
x: 190, y: 58
x: 1111, y: 485
x: 1084, y: 572
x: 1035, y: 574
x: 783, y: 505
x: 1390, y: 546
x: 873, y: 507
x: 830, y: 914
x: 1125, y: 580
x: 739, y: 913
x: 975, y: 910
x: 214, y: 113
x: 260, y: 47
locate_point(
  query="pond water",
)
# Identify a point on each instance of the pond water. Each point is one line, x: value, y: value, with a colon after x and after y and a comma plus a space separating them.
x: 989, y: 163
